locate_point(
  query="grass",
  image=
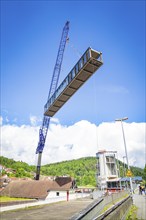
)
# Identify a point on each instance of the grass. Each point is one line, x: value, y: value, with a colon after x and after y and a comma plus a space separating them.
x: 9, y: 199
x: 108, y: 206
x: 132, y: 214
x: 87, y: 187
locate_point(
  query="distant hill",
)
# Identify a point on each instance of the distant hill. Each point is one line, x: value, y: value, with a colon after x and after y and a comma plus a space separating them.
x: 83, y: 169
x: 16, y: 168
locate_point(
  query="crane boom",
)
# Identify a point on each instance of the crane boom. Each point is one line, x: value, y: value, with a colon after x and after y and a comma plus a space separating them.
x: 57, y: 68
x: 54, y: 82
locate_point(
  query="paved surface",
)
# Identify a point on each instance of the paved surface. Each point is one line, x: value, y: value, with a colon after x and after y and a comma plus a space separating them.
x: 140, y: 202
x: 61, y: 210
x: 56, y: 211
x: 44, y: 202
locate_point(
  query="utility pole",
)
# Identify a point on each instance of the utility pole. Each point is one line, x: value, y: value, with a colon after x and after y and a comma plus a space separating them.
x: 121, y: 120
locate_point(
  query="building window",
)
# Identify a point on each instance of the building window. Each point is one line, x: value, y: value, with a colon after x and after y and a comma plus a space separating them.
x: 57, y: 193
x: 77, y: 68
x: 69, y: 77
x: 85, y: 58
x: 80, y: 63
x: 88, y: 55
x: 110, y: 159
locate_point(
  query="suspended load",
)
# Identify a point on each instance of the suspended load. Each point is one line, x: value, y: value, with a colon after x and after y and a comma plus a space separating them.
x: 83, y: 70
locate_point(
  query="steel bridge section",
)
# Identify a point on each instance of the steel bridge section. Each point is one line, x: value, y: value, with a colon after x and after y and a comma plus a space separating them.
x: 87, y: 65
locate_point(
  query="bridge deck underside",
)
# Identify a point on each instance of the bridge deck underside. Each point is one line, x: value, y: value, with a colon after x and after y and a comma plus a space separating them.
x: 84, y: 74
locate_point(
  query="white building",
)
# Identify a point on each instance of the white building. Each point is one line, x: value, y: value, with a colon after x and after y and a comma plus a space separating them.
x: 107, y: 173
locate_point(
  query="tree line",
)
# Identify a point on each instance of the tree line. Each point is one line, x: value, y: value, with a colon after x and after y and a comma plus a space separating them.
x: 83, y: 170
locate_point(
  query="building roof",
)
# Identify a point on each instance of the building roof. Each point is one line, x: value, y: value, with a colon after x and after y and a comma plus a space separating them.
x: 113, y: 180
x: 135, y: 178
x: 36, y: 189
x: 123, y: 179
x: 62, y: 181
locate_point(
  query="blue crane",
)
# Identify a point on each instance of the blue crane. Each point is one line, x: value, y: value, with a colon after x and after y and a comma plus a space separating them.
x: 54, y: 82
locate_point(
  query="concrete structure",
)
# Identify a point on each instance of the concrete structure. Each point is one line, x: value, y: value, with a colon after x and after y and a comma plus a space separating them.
x: 107, y: 173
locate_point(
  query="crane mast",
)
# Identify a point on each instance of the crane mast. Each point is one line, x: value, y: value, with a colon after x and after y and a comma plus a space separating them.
x: 54, y: 82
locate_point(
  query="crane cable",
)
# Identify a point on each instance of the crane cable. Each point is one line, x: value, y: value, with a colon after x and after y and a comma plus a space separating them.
x: 95, y: 110
x: 78, y: 53
x: 74, y: 49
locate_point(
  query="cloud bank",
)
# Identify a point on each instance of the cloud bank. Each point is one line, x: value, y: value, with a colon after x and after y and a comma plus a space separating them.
x: 81, y: 139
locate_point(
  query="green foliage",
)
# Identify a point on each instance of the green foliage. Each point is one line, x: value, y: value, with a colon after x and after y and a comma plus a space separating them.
x: 6, y: 162
x: 144, y: 173
x: 19, y: 168
x: 10, y: 163
x: 132, y: 214
x: 136, y: 171
x: 83, y: 169
x: 8, y: 199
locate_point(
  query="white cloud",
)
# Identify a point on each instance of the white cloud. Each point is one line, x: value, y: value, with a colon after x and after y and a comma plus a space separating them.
x: 1, y: 120
x: 7, y: 120
x: 70, y: 142
x: 34, y: 120
x: 19, y: 142
x: 54, y: 120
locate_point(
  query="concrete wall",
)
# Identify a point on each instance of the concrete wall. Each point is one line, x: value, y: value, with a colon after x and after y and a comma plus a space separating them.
x: 120, y: 212
x: 57, y: 194
x: 63, y: 196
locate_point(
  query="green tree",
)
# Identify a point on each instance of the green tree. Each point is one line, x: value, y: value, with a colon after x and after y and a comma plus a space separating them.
x: 144, y: 174
x: 20, y: 172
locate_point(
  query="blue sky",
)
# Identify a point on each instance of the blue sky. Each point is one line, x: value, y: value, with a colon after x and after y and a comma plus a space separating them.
x: 30, y: 36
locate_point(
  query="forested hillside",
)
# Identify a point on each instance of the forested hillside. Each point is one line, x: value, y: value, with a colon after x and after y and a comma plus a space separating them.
x: 83, y: 169
x: 16, y: 168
